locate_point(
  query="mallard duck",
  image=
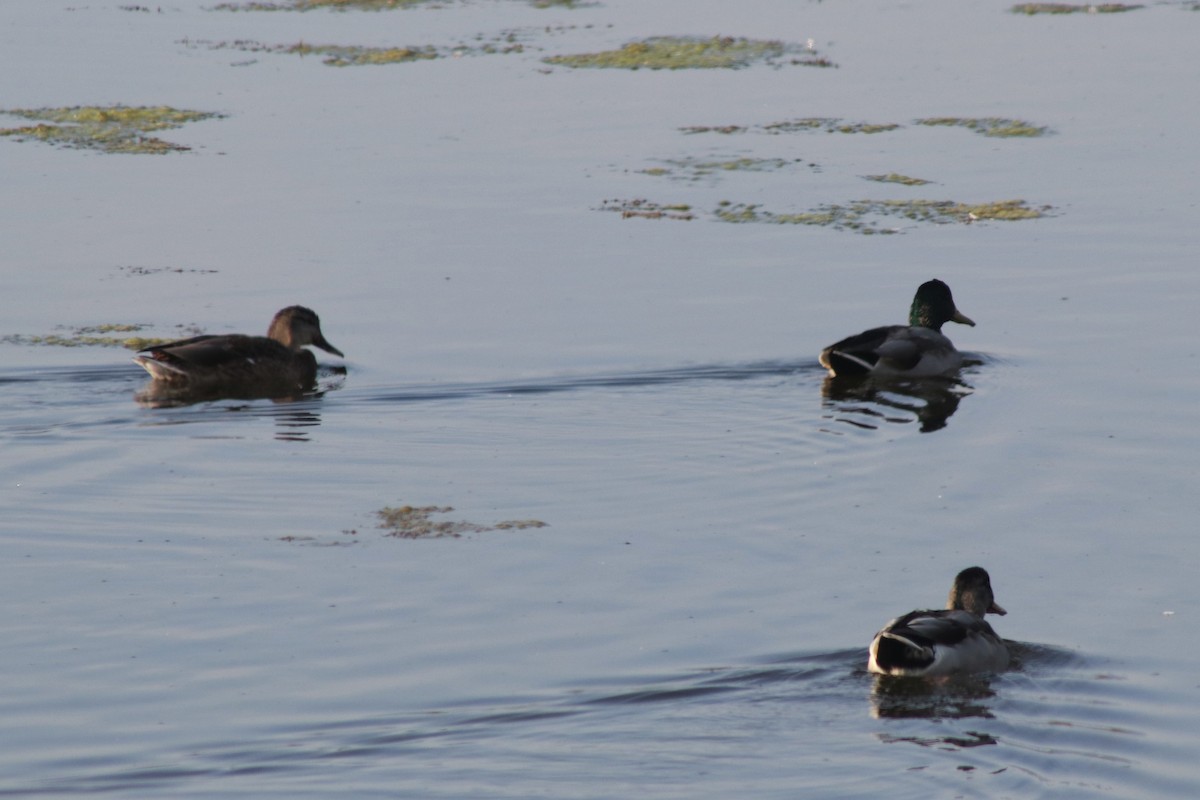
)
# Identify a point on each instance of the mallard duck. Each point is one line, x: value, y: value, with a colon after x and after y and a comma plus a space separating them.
x: 917, y: 349
x: 954, y: 640
x: 243, y: 364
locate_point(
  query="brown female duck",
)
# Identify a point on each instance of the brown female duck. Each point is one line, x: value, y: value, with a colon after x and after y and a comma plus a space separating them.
x: 240, y: 364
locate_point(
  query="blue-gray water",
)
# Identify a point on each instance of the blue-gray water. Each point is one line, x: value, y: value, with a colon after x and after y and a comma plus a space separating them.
x: 199, y: 602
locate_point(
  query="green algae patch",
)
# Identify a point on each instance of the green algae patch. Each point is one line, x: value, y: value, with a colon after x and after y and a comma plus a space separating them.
x: 895, y: 177
x: 351, y: 56
x: 367, y: 5
x: 1030, y: 9
x: 725, y: 129
x: 873, y: 216
x: 828, y: 125
x: 802, y: 125
x: 645, y: 209
x: 108, y: 335
x: 356, y: 56
x: 679, y: 52
x: 999, y: 127
x: 109, y: 129
x: 416, y: 522
x: 695, y: 168
x: 312, y: 5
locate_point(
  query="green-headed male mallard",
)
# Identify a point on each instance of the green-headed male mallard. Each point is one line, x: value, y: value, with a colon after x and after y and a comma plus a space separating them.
x: 917, y: 349
x: 243, y: 364
x: 945, y: 642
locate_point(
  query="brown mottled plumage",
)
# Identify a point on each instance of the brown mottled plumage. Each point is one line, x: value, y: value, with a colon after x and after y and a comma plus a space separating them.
x: 954, y: 640
x: 243, y: 365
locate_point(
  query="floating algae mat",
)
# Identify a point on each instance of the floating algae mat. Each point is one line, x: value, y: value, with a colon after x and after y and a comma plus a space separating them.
x: 109, y: 129
x: 895, y: 177
x: 414, y: 522
x: 355, y: 56
x: 805, y: 124
x: 681, y: 52
x: 696, y: 168
x: 1067, y: 8
x: 645, y: 209
x: 868, y: 216
x: 310, y: 5
x: 109, y: 335
x: 1000, y: 127
x: 362, y: 5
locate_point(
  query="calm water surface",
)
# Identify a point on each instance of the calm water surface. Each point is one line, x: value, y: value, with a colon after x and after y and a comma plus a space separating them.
x: 201, y: 603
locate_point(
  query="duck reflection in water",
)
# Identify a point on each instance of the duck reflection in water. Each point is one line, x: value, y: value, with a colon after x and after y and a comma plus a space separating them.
x: 868, y: 401
x: 957, y: 697
x: 236, y: 366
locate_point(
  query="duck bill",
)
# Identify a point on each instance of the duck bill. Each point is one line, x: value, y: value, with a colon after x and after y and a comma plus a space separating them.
x: 962, y: 318
x: 327, y: 347
x: 994, y: 608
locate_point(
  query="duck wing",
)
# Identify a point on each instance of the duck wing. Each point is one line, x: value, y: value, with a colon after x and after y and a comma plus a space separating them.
x: 858, y: 354
x: 937, y: 643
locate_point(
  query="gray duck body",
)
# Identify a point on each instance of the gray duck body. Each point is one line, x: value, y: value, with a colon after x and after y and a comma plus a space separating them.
x: 954, y: 640
x: 918, y: 349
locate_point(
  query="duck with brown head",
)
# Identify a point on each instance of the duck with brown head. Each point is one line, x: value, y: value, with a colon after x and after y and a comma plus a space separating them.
x: 242, y: 364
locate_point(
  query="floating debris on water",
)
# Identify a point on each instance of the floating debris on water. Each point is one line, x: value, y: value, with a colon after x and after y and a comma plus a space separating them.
x: 647, y: 210
x: 310, y: 5
x: 367, y: 5
x: 860, y: 216
x: 828, y: 125
x: 1000, y: 127
x: 107, y: 335
x: 132, y: 270
x: 414, y: 522
x: 683, y: 52
x: 895, y: 177
x: 109, y: 129
x: 802, y: 125
x: 1067, y: 8
x: 690, y: 168
x: 356, y: 56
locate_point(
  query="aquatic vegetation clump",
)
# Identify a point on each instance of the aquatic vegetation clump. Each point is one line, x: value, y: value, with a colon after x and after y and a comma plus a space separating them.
x: 310, y: 5
x: 1000, y: 127
x: 349, y: 55
x: 414, y: 522
x: 109, y: 129
x: 803, y: 125
x: 895, y: 177
x: 695, y: 168
x: 726, y: 129
x: 364, y: 5
x: 828, y: 125
x: 867, y: 216
x: 356, y: 56
x: 1067, y: 8
x: 678, y: 52
x: 646, y: 209
x: 108, y: 335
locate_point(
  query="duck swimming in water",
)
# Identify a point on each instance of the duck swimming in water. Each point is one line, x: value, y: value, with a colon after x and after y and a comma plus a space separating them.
x: 240, y: 364
x: 918, y: 349
x: 955, y: 640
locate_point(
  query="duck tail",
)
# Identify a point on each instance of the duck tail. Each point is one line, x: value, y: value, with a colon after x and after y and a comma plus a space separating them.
x: 894, y: 653
x: 160, y: 369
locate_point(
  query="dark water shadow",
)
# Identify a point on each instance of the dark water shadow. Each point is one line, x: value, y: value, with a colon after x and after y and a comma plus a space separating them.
x: 568, y: 383
x: 870, y: 402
